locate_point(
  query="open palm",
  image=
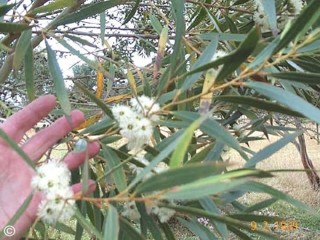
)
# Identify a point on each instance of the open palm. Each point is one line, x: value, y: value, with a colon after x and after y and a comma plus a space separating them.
x: 15, y: 174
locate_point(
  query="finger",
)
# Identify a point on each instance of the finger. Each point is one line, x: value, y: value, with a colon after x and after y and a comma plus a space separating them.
x: 74, y: 160
x: 76, y: 188
x: 20, y: 122
x: 47, y: 137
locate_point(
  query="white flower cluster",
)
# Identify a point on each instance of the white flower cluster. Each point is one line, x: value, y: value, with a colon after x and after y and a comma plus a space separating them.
x: 136, y: 121
x: 53, y: 180
x: 260, y: 18
x: 296, y: 5
x: 131, y: 212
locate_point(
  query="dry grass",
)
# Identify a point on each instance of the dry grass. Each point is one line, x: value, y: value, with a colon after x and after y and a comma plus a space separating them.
x: 295, y: 184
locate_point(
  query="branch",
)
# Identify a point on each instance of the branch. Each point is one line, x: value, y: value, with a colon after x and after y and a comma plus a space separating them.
x: 7, y: 65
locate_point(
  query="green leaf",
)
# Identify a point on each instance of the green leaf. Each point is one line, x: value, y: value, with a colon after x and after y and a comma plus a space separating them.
x: 301, y: 25
x: 258, y: 103
x: 23, y: 43
x: 149, y: 222
x: 241, y: 54
x: 5, y: 8
x: 198, y: 229
x: 287, y: 98
x: 28, y: 73
x: 265, y: 54
x: 155, y: 23
x: 80, y: 40
x: 261, y: 205
x: 75, y: 52
x: 271, y: 149
x: 223, y: 219
x: 162, y: 155
x: 93, y: 97
x: 57, y: 4
x: 87, y: 225
x: 129, y: 231
x: 178, y: 155
x: 88, y: 11
x: 212, y: 128
x: 17, y: 149
x: 233, y: 60
x: 132, y: 12
x: 200, y: 17
x: 58, y: 80
x: 180, y: 26
x: 303, y: 77
x: 21, y: 210
x: 64, y: 228
x: 269, y: 9
x: 208, y: 186
x: 207, y: 55
x: 263, y: 188
x: 209, y: 205
x: 118, y: 175
x: 179, y: 176
x: 111, y: 229
x: 102, y: 26
x: 13, y: 27
x: 234, y: 37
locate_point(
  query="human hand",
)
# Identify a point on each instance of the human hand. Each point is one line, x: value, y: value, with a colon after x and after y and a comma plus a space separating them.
x: 16, y: 175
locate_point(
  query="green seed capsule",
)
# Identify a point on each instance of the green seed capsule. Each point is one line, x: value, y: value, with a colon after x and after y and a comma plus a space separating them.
x: 80, y: 146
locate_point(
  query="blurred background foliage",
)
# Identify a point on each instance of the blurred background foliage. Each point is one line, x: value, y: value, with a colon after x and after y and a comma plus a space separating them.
x: 226, y: 73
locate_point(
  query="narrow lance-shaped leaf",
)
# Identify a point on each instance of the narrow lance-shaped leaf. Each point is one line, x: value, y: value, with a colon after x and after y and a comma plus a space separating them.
x: 132, y: 12
x: 22, y: 209
x: 12, y: 27
x: 302, y: 23
x: 89, y: 11
x: 303, y: 77
x: 16, y: 148
x: 207, y: 55
x: 113, y: 160
x: 57, y: 4
x: 75, y: 52
x: 287, y: 98
x: 161, y: 50
x: 269, y: 8
x: 111, y: 228
x: 100, y: 103
x: 206, y: 99
x: 58, y: 80
x: 271, y: 149
x: 178, y: 7
x: 212, y: 128
x: 183, y: 143
x: 28, y: 73
x: 5, y: 8
x: 102, y: 26
x: 87, y: 225
x: 179, y: 176
x: 156, y: 24
x: 258, y: 103
x: 21, y: 48
x: 240, y: 55
x: 208, y: 186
